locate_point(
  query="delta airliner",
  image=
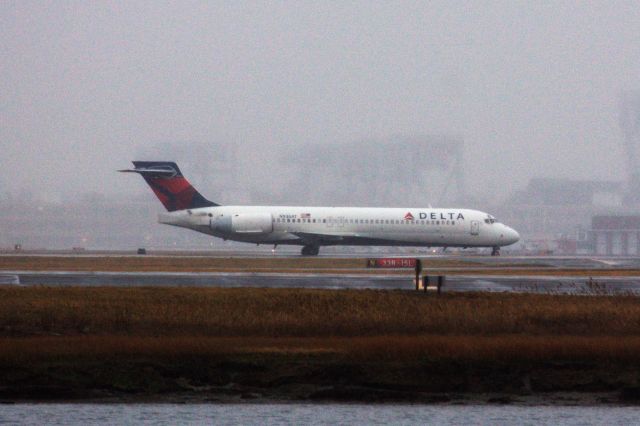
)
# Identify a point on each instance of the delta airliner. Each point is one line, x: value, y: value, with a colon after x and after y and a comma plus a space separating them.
x: 312, y: 227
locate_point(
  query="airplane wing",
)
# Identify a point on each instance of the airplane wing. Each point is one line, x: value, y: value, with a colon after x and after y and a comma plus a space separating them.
x: 323, y: 238
x: 311, y: 238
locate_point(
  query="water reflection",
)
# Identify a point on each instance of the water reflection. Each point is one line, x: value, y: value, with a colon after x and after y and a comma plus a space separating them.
x: 311, y: 414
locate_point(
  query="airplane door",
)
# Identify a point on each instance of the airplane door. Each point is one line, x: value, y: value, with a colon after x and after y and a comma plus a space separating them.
x: 475, y: 227
x: 340, y: 222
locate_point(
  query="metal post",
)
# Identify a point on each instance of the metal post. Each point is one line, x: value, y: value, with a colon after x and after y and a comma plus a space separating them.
x: 441, y: 280
x: 418, y: 271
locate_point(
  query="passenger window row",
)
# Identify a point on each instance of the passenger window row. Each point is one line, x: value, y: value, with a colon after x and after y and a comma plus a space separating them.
x: 370, y: 221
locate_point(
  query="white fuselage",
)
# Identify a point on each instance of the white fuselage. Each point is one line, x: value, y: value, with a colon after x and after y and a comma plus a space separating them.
x: 322, y: 226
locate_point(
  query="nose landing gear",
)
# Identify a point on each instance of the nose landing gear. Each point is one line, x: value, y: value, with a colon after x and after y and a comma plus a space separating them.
x: 495, y: 251
x: 310, y: 250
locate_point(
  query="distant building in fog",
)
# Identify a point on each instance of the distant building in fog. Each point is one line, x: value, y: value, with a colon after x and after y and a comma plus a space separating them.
x: 575, y: 216
x: 557, y: 212
x: 409, y: 171
x: 616, y: 235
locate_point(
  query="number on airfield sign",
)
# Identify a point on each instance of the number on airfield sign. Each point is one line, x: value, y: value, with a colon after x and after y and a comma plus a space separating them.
x: 392, y: 262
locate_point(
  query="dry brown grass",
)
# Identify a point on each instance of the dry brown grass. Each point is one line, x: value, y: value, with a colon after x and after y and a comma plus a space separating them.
x: 307, y: 313
x: 105, y: 338
x: 504, y: 348
x: 50, y: 323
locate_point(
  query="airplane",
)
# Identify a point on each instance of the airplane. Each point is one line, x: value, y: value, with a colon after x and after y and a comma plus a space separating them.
x: 313, y: 227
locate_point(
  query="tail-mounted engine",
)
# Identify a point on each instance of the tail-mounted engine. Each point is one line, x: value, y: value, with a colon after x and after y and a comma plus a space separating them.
x: 244, y: 223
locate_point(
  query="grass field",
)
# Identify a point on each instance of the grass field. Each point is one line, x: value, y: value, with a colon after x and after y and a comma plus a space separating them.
x: 224, y: 312
x: 87, y: 342
x: 376, y: 324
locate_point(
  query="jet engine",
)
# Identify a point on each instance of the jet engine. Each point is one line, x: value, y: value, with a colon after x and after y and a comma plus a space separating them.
x: 244, y: 223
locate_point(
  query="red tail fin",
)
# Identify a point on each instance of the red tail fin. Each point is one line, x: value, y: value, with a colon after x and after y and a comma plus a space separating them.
x: 172, y: 189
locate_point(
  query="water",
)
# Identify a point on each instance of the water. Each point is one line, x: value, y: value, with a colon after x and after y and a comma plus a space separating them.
x: 312, y: 414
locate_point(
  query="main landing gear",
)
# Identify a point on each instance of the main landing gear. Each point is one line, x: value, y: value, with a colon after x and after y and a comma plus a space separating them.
x: 495, y: 251
x: 310, y: 250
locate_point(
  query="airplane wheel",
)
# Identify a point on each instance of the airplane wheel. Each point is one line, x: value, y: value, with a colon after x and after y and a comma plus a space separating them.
x: 310, y: 250
x: 495, y: 251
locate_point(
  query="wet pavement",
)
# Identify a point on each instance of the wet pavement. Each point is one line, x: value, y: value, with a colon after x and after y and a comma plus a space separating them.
x: 530, y: 284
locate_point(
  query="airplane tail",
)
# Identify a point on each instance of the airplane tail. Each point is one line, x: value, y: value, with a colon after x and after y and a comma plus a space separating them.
x: 172, y: 189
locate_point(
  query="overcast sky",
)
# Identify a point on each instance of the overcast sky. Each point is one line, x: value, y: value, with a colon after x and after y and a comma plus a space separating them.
x: 533, y: 87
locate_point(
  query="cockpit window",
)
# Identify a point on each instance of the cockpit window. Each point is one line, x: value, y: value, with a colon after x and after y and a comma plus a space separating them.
x: 490, y: 220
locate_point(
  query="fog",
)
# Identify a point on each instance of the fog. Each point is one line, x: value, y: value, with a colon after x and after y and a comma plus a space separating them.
x: 531, y: 88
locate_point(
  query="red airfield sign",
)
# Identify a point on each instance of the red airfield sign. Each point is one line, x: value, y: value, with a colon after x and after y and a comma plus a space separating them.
x: 392, y: 262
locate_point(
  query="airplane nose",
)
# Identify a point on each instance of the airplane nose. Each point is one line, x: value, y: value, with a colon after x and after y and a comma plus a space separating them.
x: 508, y: 235
x: 512, y: 235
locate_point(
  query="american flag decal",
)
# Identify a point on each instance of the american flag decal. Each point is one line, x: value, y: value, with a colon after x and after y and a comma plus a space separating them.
x: 408, y: 216
x: 305, y: 215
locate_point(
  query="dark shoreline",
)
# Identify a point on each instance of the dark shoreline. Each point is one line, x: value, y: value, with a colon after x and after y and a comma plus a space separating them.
x: 560, y: 399
x: 260, y: 379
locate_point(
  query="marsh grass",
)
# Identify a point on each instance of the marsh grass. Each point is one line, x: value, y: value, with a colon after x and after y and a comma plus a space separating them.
x: 37, y: 322
x: 307, y: 313
x: 506, y: 348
